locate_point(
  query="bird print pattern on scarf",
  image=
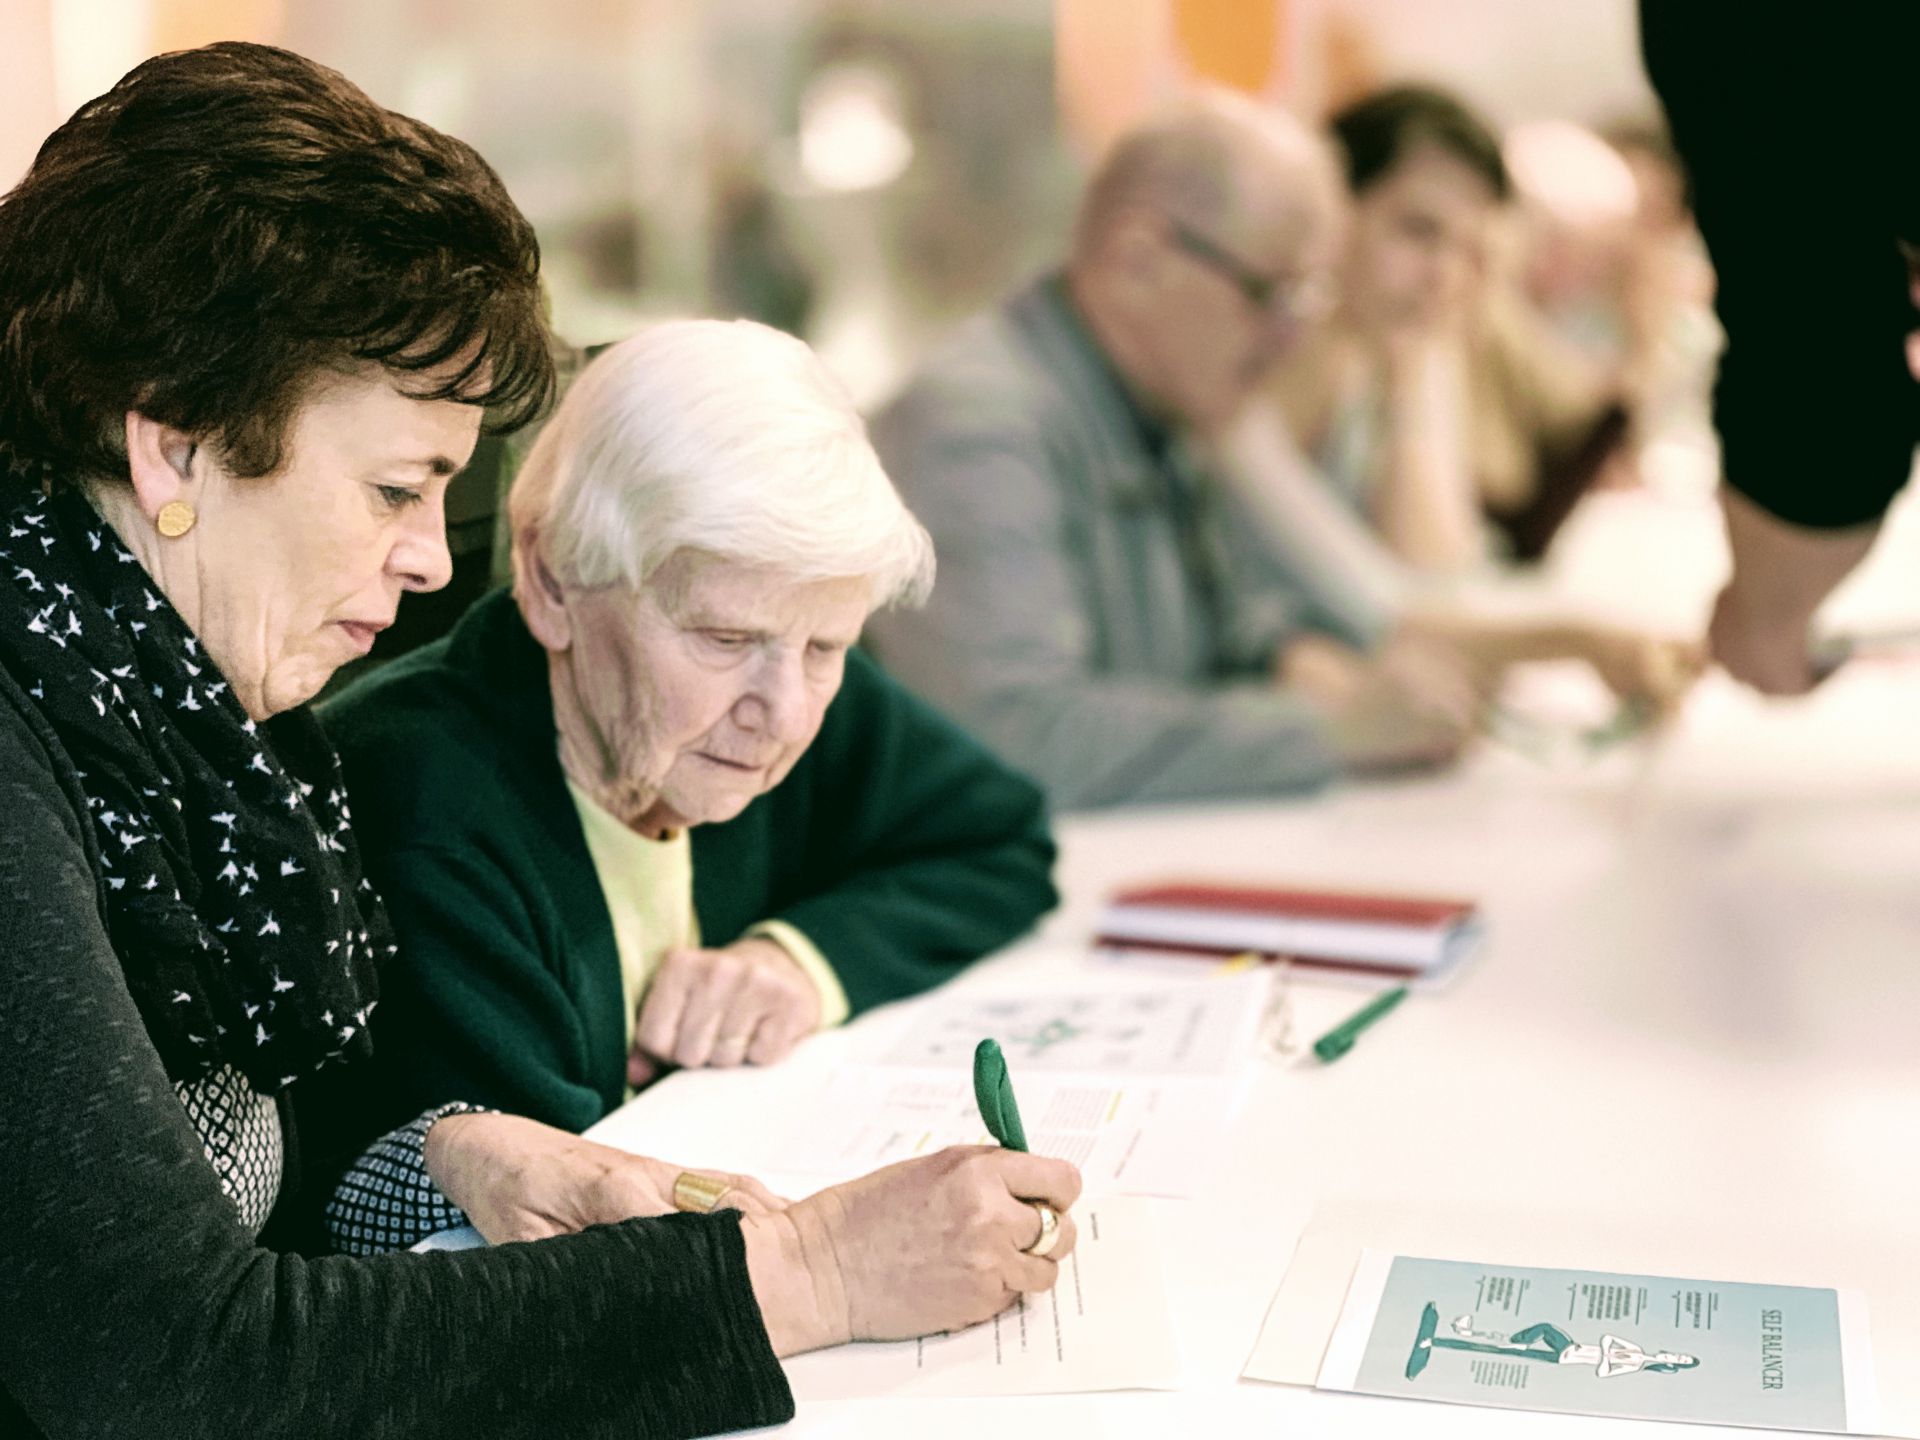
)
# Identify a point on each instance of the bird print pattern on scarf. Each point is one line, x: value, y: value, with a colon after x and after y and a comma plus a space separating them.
x: 231, y: 882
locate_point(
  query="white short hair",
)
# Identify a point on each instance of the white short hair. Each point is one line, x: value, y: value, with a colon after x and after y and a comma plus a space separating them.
x: 722, y: 437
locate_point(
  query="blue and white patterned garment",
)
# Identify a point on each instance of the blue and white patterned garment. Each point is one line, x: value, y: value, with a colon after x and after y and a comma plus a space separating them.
x: 239, y: 1129
x: 385, y: 1201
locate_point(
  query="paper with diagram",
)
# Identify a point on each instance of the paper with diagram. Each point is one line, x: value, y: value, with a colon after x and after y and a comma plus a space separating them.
x: 1138, y: 1137
x: 1202, y: 1027
x: 1594, y: 1343
x: 1105, y: 1326
x: 1135, y: 1087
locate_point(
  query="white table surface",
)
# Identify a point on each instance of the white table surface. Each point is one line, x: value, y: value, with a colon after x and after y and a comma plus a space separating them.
x: 1689, y: 1040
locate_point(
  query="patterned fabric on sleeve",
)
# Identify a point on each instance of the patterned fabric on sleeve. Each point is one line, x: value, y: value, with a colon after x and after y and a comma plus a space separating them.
x: 386, y: 1200
x: 239, y: 1128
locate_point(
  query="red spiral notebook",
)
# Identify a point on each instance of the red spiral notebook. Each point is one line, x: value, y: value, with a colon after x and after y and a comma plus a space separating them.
x: 1387, y: 937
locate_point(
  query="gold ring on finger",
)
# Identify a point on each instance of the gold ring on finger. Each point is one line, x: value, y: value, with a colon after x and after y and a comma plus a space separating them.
x: 697, y: 1194
x: 1049, y: 1230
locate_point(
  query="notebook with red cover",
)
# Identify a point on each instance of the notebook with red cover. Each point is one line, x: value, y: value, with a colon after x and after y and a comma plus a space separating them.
x: 1389, y: 937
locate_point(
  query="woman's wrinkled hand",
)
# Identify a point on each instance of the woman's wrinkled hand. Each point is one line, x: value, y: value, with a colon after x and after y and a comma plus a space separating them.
x: 926, y: 1245
x: 520, y: 1180
x: 749, y: 1003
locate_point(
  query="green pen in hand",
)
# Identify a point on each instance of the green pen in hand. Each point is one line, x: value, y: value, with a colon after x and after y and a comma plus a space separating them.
x: 1337, y: 1041
x: 993, y: 1093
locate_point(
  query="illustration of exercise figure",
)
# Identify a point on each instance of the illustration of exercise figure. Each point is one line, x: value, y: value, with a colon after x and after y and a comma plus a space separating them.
x: 1548, y: 1343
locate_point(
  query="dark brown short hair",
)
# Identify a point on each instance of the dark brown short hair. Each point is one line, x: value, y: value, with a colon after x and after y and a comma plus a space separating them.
x: 224, y: 225
x: 1375, y: 133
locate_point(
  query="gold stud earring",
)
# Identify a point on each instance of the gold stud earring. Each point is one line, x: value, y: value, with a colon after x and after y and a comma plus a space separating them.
x: 176, y: 518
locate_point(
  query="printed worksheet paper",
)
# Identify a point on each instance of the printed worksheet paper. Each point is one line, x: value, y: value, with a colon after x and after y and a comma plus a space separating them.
x: 1105, y: 1326
x: 1202, y: 1027
x: 1134, y: 1086
x: 1125, y: 1135
x: 1585, y: 1342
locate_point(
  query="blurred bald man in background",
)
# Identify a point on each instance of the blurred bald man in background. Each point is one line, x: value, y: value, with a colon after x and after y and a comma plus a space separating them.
x: 1106, y: 617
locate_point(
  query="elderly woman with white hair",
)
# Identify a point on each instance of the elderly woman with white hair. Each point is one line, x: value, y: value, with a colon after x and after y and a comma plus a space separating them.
x: 653, y: 808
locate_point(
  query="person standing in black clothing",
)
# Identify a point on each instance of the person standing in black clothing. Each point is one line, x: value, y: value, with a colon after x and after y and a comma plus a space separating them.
x: 251, y: 324
x: 1797, y: 131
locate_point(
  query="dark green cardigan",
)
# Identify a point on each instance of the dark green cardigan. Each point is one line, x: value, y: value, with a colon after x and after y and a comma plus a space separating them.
x: 898, y: 845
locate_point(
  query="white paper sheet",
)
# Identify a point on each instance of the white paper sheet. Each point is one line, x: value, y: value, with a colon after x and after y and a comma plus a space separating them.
x: 1202, y: 1027
x: 1148, y: 1119
x: 461, y: 1237
x: 1105, y: 1326
x: 1297, y: 1338
x: 1139, y: 1137
x: 1587, y: 1342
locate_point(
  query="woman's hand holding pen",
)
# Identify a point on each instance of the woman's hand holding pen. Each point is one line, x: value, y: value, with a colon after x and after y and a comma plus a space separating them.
x: 930, y: 1244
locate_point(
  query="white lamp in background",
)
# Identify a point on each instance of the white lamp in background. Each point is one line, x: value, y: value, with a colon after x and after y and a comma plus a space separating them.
x: 853, y: 131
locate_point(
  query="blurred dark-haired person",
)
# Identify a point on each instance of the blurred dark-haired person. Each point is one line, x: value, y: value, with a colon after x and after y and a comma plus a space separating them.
x: 1433, y: 397
x: 1818, y: 397
x: 1121, y: 613
x: 252, y: 323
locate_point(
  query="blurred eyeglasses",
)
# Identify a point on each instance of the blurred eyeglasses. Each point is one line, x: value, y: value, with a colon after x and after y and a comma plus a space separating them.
x: 1297, y: 296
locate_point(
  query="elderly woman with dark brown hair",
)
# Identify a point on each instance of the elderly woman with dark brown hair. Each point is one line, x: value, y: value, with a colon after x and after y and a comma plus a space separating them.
x: 252, y: 321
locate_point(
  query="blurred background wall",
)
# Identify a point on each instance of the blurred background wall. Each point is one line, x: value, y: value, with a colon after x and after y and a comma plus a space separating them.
x: 862, y: 171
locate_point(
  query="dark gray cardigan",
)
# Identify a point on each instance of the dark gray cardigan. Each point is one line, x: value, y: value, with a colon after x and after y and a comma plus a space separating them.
x: 133, y: 1301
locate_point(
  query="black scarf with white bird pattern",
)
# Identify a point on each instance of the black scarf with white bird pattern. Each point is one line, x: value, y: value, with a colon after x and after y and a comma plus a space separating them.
x: 233, y: 892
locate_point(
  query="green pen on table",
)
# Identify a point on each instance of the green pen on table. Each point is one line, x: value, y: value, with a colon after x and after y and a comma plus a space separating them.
x: 1337, y: 1041
x: 993, y: 1093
